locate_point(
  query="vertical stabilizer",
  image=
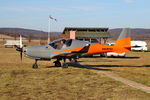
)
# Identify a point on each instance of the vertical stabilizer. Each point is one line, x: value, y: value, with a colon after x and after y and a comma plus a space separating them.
x: 123, y: 43
x: 126, y: 32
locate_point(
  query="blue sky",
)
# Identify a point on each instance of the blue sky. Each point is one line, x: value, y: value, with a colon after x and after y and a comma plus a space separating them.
x: 33, y: 14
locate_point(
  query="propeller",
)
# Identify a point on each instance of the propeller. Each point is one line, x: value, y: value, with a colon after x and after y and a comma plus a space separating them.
x: 20, y: 49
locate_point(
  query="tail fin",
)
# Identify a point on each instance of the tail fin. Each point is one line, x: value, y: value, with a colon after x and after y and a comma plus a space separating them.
x: 123, y: 44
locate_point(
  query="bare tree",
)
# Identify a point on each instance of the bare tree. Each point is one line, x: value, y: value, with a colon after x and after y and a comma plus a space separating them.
x: 30, y: 36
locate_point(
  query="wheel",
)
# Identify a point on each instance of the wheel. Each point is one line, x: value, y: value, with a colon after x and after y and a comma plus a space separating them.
x: 73, y: 60
x: 143, y: 50
x: 103, y: 55
x: 57, y: 64
x: 65, y: 65
x: 34, y: 66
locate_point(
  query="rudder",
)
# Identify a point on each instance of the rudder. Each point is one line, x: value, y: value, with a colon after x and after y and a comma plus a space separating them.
x: 123, y: 43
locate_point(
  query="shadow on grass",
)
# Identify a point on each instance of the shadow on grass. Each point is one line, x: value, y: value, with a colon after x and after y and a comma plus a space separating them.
x: 118, y: 66
x: 78, y: 65
x: 113, y: 57
x: 87, y: 67
x: 94, y: 67
x: 129, y: 57
x: 141, y: 51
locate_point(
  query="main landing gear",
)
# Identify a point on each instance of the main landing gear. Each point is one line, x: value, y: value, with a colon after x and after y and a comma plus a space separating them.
x: 35, y: 64
x: 58, y: 63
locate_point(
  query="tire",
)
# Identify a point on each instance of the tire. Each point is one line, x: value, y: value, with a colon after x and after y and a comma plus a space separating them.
x: 105, y: 55
x: 34, y: 66
x: 57, y: 64
x: 73, y: 60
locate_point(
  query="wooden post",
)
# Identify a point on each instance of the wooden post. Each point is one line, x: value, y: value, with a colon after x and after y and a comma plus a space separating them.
x: 100, y: 41
x: 105, y: 40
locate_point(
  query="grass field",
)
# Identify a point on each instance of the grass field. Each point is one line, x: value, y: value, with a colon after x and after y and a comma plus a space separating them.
x: 18, y: 81
x: 136, y: 66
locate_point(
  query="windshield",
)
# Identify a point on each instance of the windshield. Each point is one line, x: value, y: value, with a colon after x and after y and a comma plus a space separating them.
x: 61, y: 43
x: 69, y: 42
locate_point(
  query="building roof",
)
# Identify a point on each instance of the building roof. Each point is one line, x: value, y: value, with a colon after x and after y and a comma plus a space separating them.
x: 85, y: 29
x: 93, y: 34
x: 88, y: 32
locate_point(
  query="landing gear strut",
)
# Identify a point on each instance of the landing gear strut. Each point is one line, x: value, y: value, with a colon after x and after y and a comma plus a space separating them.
x: 35, y: 64
x: 65, y: 65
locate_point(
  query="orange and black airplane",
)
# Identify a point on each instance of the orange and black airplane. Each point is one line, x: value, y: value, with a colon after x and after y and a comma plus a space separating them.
x: 63, y: 49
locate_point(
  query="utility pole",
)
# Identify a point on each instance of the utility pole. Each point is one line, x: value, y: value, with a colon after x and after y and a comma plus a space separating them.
x: 48, y: 31
x: 50, y: 17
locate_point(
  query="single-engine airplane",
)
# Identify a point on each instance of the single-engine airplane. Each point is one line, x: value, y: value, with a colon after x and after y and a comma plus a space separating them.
x: 63, y: 49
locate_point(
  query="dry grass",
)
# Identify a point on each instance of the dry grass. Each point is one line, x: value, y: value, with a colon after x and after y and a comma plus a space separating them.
x: 135, y: 67
x: 18, y: 81
x: 5, y: 36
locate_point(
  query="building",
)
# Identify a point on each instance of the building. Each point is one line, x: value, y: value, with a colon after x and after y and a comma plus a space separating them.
x: 88, y: 34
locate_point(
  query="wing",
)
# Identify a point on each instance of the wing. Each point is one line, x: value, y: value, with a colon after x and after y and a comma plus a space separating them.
x: 73, y: 53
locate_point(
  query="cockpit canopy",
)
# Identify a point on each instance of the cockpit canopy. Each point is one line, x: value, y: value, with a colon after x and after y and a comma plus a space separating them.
x: 61, y: 43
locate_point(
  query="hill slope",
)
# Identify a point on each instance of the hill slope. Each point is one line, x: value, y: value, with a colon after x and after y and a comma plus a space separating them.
x: 136, y: 34
x: 26, y: 32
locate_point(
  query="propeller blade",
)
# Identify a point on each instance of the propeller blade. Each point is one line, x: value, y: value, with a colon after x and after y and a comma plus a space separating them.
x: 21, y: 51
x: 21, y: 55
x: 21, y: 48
x: 21, y: 45
x: 16, y: 46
